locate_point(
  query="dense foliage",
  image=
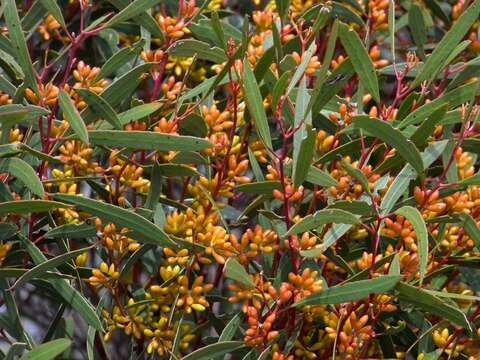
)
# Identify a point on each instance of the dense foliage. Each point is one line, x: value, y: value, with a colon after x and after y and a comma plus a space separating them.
x: 241, y: 179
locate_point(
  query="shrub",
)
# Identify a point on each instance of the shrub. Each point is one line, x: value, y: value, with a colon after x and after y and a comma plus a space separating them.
x: 257, y: 180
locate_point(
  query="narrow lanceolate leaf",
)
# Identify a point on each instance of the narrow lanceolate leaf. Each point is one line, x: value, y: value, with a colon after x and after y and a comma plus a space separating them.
x: 353, y: 291
x: 259, y: 187
x: 73, y: 116
x: 304, y: 159
x: 255, y: 105
x: 279, y: 89
x: 416, y: 23
x: 471, y: 228
x: 48, y: 265
x: 23, y: 172
x: 135, y: 8
x: 52, y: 7
x: 300, y: 71
x: 231, y: 328
x: 320, y: 177
x: 144, y: 140
x: 393, y: 137
x: 472, y: 180
x: 415, y: 218
x: 321, y: 218
x: 138, y: 112
x: 322, y: 74
x: 19, y: 43
x: 432, y: 304
x: 72, y: 231
x: 119, y: 59
x: 235, y: 271
x: 48, y: 351
x: 360, y: 60
x: 408, y: 174
x: 29, y: 206
x: 211, y: 351
x: 100, y: 107
x: 141, y: 229
x: 191, y: 47
x: 69, y: 294
x: 436, y: 60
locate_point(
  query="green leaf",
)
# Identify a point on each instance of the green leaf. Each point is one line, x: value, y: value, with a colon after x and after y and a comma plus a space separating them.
x: 438, y: 11
x: 300, y: 70
x: 72, y: 231
x: 453, y: 98
x: 416, y: 219
x: 282, y: 7
x: 320, y: 218
x: 193, y: 125
x: 457, y: 296
x: 73, y: 116
x: 302, y: 165
x: 19, y: 43
x: 218, y: 29
x: 155, y: 188
x: 360, y: 60
x: 279, y: 88
x: 259, y: 187
x: 23, y: 172
x: 211, y: 351
x: 391, y: 28
x: 10, y: 65
x: 430, y: 303
x: 29, y: 206
x: 357, y: 207
x: 231, y: 328
x: 49, y: 350
x: 320, y: 177
x: 50, y: 264
x: 143, y: 19
x: 138, y: 112
x: 204, y: 30
x: 90, y: 343
x: 327, y: 59
x: 119, y: 90
x: 426, y: 128
x: 100, y: 107
x: 407, y: 174
x: 143, y: 140
x: 353, y: 291
x: 417, y: 26
x: 393, y: 137
x: 471, y: 227
x: 334, y: 83
x: 135, y: 8
x: 235, y: 271
x: 254, y: 101
x: 191, y: 47
x: 141, y: 229
x: 442, y: 50
x: 395, y: 266
x: 117, y: 60
x: 13, y: 149
x: 300, y: 123
x: 188, y: 157
x: 61, y: 287
x: 472, y: 180
x: 52, y: 7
